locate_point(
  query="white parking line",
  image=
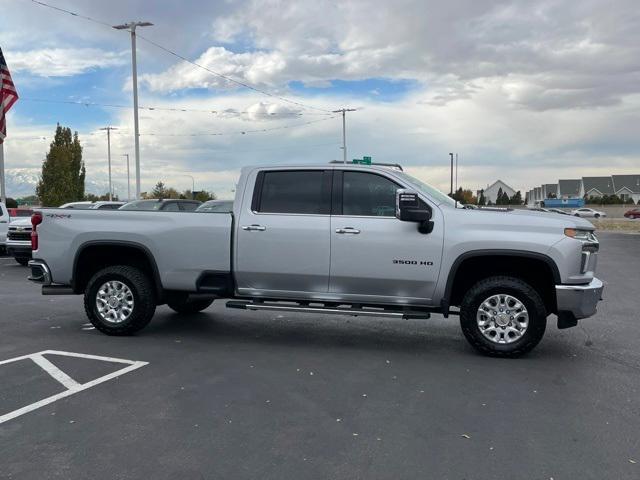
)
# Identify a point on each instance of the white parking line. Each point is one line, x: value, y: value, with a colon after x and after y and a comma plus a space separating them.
x: 69, y: 383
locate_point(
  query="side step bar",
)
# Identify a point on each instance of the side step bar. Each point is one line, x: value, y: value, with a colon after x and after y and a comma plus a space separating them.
x: 353, y: 310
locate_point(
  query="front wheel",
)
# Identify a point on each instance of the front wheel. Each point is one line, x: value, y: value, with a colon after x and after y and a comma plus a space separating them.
x: 503, y: 316
x: 188, y: 304
x: 597, y: 215
x: 120, y: 300
x: 24, y: 261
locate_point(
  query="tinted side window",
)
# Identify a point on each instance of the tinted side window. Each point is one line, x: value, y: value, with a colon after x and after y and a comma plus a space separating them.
x: 171, y: 207
x: 367, y: 194
x: 292, y: 192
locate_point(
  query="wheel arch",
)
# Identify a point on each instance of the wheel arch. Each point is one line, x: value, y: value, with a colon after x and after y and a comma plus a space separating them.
x: 464, y: 272
x: 93, y: 253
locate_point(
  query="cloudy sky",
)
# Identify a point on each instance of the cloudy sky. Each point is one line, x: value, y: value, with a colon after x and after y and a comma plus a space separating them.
x: 526, y: 91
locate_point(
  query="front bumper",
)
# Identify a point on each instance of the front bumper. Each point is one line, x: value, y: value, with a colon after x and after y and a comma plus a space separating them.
x: 580, y: 301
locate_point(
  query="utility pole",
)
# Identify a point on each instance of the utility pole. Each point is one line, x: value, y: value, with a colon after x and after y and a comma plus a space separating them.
x: 128, y: 179
x: 344, y: 130
x: 193, y: 185
x: 3, y: 192
x: 451, y: 189
x: 108, y: 129
x: 131, y: 26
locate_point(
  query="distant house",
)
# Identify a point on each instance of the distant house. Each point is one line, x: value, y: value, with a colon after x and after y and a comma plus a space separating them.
x: 549, y: 190
x: 570, y: 188
x: 491, y: 192
x: 597, y: 186
x: 627, y: 186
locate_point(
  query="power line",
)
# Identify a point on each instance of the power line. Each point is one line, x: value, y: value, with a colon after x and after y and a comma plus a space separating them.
x: 220, y: 113
x: 185, y: 59
x: 229, y: 79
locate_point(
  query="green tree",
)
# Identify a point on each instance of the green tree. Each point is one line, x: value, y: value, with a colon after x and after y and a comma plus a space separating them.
x: 11, y: 203
x: 516, y: 199
x: 482, y: 200
x: 200, y: 195
x: 505, y: 199
x: 499, y: 197
x: 63, y: 171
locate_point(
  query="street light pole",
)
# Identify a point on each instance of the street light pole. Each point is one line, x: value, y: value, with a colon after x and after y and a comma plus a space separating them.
x: 131, y: 26
x: 344, y: 111
x: 193, y: 184
x: 451, y: 189
x: 128, y: 179
x: 108, y: 129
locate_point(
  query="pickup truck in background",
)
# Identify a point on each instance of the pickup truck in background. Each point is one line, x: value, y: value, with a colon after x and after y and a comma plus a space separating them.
x: 328, y: 239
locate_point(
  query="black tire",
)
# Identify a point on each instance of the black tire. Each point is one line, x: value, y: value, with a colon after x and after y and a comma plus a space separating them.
x: 597, y: 215
x: 144, y: 299
x: 187, y: 304
x: 24, y: 261
x: 526, y: 294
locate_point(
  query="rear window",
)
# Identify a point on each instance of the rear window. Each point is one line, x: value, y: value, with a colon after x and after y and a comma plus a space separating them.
x: 147, y: 205
x: 293, y: 192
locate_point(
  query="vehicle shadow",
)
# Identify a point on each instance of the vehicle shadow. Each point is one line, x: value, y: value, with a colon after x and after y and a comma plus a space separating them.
x: 436, y: 336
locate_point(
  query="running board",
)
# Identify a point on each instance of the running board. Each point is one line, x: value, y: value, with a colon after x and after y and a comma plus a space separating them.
x: 352, y: 310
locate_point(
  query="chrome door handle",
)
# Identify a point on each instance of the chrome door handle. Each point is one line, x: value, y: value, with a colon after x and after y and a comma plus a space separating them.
x: 351, y: 230
x: 257, y: 228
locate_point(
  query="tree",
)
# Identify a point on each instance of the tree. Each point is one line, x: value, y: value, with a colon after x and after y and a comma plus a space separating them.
x: 201, y: 195
x: 11, y: 203
x: 482, y: 201
x: 516, y: 199
x: 499, y: 197
x: 63, y: 171
x: 505, y: 199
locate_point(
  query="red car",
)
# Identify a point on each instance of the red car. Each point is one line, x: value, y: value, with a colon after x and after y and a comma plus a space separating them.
x: 633, y: 213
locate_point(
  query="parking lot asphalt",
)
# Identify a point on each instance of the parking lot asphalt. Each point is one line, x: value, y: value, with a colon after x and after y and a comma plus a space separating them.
x: 240, y: 395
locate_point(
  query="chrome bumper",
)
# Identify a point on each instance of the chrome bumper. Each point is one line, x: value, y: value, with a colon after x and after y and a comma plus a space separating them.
x: 40, y: 273
x: 580, y: 300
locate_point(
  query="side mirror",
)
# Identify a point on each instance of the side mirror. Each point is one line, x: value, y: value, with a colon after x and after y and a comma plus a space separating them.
x: 409, y: 208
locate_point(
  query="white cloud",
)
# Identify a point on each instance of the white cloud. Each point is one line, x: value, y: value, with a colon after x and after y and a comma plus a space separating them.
x: 64, y: 62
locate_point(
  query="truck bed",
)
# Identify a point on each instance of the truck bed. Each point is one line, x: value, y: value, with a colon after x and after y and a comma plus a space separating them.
x: 183, y: 244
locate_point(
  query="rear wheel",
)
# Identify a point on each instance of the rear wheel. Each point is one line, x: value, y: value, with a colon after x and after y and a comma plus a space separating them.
x: 187, y: 304
x: 120, y: 300
x: 503, y: 316
x: 597, y: 215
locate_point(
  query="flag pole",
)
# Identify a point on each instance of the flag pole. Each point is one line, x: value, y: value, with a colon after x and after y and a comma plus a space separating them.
x: 3, y: 192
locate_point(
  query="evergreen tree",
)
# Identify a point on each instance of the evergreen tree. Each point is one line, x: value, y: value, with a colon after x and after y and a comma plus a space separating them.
x: 516, y: 199
x: 63, y: 171
x: 482, y: 200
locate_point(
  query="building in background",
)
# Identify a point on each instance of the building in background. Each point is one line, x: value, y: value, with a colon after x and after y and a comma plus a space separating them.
x: 570, y: 188
x: 627, y: 186
x: 491, y: 192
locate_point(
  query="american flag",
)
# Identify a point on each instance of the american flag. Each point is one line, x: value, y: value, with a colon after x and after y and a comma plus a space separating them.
x: 8, y: 95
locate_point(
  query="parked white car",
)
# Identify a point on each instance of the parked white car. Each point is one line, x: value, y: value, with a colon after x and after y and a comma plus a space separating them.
x: 4, y: 226
x: 588, y: 213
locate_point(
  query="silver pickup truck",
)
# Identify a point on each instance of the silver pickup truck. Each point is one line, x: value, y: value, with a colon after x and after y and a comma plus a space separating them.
x: 337, y: 238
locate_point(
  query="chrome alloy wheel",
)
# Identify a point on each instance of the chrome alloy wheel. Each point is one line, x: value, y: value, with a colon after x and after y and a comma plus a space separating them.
x: 114, y: 302
x: 502, y: 318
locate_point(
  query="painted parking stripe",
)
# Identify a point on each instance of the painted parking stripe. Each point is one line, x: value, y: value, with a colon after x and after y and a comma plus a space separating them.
x: 70, y: 384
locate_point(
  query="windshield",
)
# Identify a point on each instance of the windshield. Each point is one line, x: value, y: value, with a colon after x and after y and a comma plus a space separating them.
x: 142, y: 205
x: 432, y: 192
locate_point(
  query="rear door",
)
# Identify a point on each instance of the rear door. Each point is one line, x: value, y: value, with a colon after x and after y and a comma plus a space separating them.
x: 374, y: 256
x: 282, y: 240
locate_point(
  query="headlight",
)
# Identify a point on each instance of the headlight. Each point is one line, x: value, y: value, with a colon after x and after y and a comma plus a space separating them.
x: 587, y: 237
x: 584, y: 235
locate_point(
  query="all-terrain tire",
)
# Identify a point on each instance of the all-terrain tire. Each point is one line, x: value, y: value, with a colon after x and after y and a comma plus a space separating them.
x: 499, y: 285
x: 142, y: 290
x: 187, y: 304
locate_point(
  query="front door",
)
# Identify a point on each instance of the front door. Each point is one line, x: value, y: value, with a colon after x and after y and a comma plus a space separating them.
x: 375, y: 256
x: 283, y: 235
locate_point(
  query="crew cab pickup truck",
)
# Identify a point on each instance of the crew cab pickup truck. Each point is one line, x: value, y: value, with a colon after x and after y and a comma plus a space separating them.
x: 328, y: 239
